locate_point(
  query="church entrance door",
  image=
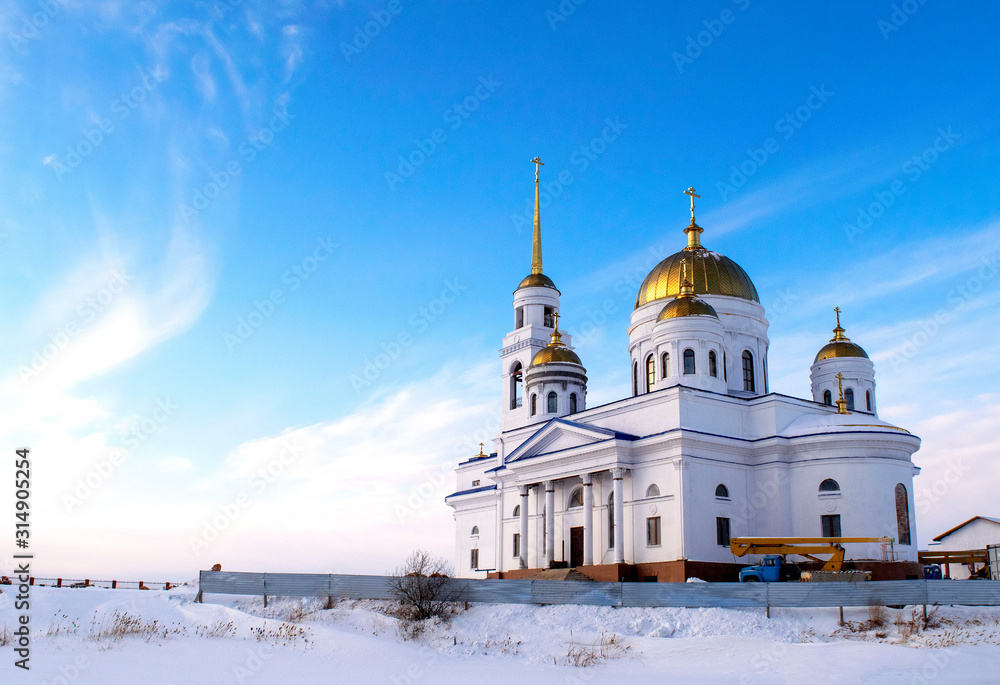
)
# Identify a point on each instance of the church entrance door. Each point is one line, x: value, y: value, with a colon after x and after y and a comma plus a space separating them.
x: 576, y: 546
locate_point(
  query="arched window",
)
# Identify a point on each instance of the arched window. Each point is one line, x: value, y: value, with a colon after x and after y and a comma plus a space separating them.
x: 548, y: 321
x: 652, y: 491
x: 713, y: 366
x: 517, y: 511
x: 664, y: 365
x: 611, y: 521
x: 635, y: 379
x: 650, y: 373
x: 534, y: 404
x: 828, y: 397
x: 902, y: 514
x: 516, y: 384
x: 829, y: 485
x: 688, y: 361
x: 748, y: 383
x: 721, y: 490
x: 576, y: 499
x: 553, y: 404
x: 868, y: 399
x: 519, y: 318
x: 475, y: 531
x: 572, y: 403
x: 849, y: 397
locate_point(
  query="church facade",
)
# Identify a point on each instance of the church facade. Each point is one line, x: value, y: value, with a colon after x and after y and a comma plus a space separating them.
x: 653, y: 486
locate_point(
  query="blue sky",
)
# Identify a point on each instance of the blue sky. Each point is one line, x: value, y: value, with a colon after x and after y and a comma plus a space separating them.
x: 215, y: 215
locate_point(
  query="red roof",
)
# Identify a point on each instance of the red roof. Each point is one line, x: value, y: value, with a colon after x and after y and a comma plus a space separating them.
x: 962, y: 525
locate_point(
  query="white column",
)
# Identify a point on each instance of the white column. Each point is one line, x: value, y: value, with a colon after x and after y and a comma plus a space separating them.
x: 550, y: 523
x: 523, y: 558
x: 618, y: 474
x: 588, y: 521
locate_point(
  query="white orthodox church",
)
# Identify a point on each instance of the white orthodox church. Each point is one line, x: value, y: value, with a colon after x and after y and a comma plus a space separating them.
x: 652, y: 486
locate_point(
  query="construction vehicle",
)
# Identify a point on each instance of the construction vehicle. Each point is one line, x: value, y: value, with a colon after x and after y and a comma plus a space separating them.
x: 947, y: 557
x: 775, y: 568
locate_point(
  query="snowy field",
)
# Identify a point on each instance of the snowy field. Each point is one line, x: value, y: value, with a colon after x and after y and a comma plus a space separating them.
x: 129, y: 636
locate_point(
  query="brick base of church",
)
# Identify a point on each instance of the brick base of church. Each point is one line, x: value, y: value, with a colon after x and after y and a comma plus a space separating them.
x: 713, y: 572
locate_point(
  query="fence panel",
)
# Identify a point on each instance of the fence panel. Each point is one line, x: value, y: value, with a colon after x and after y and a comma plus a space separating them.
x: 832, y: 594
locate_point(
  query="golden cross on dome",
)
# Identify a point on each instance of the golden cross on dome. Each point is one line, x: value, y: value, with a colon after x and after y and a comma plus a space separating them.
x: 481, y: 450
x: 841, y: 403
x: 555, y: 320
x: 537, y: 162
x: 690, y: 191
x: 837, y: 309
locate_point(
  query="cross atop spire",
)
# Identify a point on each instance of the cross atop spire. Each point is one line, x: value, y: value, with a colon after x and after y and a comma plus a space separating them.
x: 693, y: 230
x: 536, y: 242
x: 838, y: 332
x: 841, y: 403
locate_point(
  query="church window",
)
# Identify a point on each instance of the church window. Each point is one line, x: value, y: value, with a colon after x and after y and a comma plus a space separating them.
x: 635, y: 378
x: 549, y: 323
x: 722, y: 531
x: 576, y: 499
x: 831, y: 526
x: 517, y: 544
x: 572, y: 403
x: 748, y: 383
x: 474, y: 559
x: 665, y: 365
x: 868, y: 399
x: 653, y: 491
x: 688, y: 361
x: 516, y: 385
x: 849, y: 397
x: 828, y: 397
x: 721, y: 491
x: 653, y: 531
x: 829, y: 485
x: 553, y: 403
x: 534, y: 404
x: 725, y: 368
x: 713, y: 367
x: 475, y: 483
x: 517, y: 511
x: 519, y: 317
x: 650, y: 373
x: 475, y: 531
x: 611, y: 521
x: 902, y: 514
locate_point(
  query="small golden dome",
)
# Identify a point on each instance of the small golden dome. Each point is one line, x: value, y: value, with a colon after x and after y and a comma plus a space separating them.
x: 687, y: 306
x: 555, y: 354
x: 537, y: 281
x: 840, y: 345
x: 710, y: 272
x: 556, y: 350
x: 840, y: 348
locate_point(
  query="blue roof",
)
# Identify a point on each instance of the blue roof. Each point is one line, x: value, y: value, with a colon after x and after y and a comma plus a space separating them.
x: 478, y: 458
x: 483, y: 488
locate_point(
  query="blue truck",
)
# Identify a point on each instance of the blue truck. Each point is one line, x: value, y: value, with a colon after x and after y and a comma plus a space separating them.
x: 772, y: 569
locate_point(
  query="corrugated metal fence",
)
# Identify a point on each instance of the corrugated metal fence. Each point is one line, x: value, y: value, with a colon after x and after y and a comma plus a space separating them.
x: 887, y: 592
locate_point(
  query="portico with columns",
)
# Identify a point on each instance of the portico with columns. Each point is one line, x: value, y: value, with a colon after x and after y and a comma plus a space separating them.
x: 652, y: 486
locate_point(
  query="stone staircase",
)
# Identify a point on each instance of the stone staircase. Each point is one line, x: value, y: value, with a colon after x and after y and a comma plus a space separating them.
x: 560, y: 574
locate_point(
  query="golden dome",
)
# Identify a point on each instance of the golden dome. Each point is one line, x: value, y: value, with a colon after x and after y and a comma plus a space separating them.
x: 556, y: 350
x: 537, y: 281
x: 687, y: 306
x: 555, y: 354
x: 710, y: 272
x: 840, y: 345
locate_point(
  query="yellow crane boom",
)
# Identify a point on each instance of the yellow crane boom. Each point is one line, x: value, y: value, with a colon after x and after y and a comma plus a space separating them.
x: 804, y: 547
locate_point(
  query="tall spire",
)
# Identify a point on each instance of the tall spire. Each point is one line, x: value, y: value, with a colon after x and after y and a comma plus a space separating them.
x: 693, y: 231
x: 536, y: 242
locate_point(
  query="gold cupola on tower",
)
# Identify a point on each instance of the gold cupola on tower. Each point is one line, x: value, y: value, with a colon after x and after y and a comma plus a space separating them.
x: 537, y: 279
x: 556, y: 350
x: 710, y: 273
x: 686, y: 304
x: 840, y: 345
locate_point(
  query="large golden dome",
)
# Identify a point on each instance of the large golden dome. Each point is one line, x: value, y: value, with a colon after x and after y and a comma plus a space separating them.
x: 710, y: 273
x: 537, y: 281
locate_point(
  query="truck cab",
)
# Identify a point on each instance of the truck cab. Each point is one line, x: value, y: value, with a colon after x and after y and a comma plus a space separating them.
x: 772, y: 569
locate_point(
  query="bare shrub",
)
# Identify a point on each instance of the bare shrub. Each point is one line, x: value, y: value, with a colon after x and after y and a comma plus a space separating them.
x: 933, y: 619
x: 582, y: 654
x: 5, y: 636
x: 217, y: 629
x: 422, y: 590
x: 878, y: 616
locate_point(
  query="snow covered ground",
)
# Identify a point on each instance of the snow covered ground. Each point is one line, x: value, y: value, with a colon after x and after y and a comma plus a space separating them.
x: 168, y: 638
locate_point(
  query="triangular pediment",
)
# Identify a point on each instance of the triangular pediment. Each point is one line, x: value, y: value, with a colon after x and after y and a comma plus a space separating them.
x: 559, y: 435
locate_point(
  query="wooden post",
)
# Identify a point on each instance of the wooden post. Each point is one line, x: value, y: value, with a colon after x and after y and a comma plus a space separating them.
x: 841, y: 615
x: 86, y: 582
x: 58, y: 582
x: 925, y: 613
x: 114, y: 584
x: 31, y: 581
x: 265, y: 601
x: 197, y: 597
